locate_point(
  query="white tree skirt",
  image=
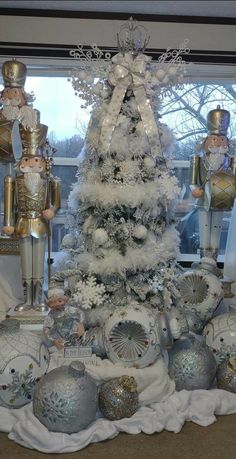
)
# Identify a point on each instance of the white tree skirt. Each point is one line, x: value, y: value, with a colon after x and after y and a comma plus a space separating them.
x: 161, y: 408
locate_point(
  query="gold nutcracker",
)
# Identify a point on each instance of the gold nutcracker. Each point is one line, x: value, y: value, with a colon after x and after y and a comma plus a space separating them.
x: 31, y: 200
x: 213, y: 181
x: 14, y: 108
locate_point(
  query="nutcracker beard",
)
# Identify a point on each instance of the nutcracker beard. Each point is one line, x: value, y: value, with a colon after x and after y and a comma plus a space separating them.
x: 32, y: 180
x: 12, y: 110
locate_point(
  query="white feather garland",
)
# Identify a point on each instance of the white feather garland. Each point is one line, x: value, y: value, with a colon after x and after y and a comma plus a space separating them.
x: 110, y: 195
x: 150, y: 255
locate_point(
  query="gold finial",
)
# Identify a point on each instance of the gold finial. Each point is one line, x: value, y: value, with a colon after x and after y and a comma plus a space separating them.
x: 14, y: 73
x: 218, y: 121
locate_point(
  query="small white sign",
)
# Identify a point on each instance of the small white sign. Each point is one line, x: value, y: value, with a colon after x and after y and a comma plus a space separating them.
x: 77, y: 351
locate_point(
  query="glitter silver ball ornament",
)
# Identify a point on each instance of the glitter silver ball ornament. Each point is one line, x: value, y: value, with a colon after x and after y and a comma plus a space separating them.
x: 226, y: 375
x: 191, y: 364
x: 65, y: 400
x: 118, y: 398
x: 24, y: 358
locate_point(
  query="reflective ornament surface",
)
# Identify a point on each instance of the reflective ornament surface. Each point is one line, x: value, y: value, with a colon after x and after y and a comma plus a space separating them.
x: 200, y: 292
x: 226, y: 375
x: 220, y: 335
x: 191, y: 364
x: 66, y: 398
x: 130, y: 336
x: 24, y: 358
x: 118, y: 398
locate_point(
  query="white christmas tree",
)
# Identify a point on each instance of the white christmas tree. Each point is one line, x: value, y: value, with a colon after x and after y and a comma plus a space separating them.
x: 122, y: 239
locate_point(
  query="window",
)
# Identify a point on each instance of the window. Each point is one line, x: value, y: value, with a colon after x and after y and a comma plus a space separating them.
x: 184, y: 110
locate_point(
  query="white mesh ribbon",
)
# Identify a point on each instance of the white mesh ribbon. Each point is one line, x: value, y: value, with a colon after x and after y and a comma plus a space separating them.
x: 129, y: 72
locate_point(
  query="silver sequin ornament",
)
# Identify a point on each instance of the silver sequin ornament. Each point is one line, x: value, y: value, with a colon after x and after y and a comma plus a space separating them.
x: 118, y: 398
x: 226, y: 375
x: 66, y: 398
x: 191, y: 364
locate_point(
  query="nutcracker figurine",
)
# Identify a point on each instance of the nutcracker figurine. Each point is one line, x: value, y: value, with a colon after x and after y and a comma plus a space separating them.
x: 31, y: 199
x: 14, y: 108
x: 213, y: 181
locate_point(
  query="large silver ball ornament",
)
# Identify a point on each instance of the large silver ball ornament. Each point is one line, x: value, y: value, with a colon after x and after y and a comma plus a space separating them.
x: 65, y: 400
x: 118, y: 398
x: 191, y: 364
x: 226, y: 375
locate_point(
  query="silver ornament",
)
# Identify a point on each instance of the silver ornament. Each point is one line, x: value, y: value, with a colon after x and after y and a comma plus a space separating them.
x: 191, y: 364
x: 24, y: 358
x: 118, y: 398
x: 226, y: 375
x: 65, y: 400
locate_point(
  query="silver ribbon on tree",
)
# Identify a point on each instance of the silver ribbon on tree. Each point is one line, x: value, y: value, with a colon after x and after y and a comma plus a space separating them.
x: 129, y: 72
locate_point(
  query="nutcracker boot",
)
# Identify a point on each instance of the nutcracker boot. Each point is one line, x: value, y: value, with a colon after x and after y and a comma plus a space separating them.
x: 38, y: 303
x: 27, y: 304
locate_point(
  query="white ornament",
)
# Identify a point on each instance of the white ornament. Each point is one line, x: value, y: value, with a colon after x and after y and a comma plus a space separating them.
x: 220, y: 334
x: 171, y: 71
x: 82, y: 75
x: 148, y: 162
x: 160, y: 74
x: 140, y: 232
x: 200, y: 292
x: 24, y: 358
x: 131, y: 337
x: 100, y: 236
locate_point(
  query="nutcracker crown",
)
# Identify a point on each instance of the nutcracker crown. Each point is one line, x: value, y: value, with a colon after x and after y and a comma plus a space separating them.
x: 33, y: 140
x: 132, y: 38
x: 14, y: 73
x: 218, y: 121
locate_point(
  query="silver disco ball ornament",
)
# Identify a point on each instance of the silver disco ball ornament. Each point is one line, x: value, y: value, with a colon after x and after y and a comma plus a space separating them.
x: 191, y: 364
x: 118, y: 398
x: 65, y: 400
x: 226, y: 375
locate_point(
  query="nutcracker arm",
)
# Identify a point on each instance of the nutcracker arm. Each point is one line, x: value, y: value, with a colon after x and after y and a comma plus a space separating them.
x: 194, y: 171
x: 9, y: 188
x: 55, y: 193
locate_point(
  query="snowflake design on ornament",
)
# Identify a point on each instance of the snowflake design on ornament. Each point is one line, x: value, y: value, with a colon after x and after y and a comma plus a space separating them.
x: 22, y: 385
x: 89, y: 293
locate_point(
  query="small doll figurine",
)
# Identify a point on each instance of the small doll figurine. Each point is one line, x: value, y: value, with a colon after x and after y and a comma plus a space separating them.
x: 63, y: 321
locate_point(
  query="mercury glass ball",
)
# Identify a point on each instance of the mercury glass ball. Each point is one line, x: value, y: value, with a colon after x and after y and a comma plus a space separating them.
x: 65, y: 400
x: 191, y: 364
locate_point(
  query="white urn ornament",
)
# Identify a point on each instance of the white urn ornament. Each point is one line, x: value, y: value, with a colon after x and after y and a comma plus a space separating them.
x: 201, y: 290
x: 137, y: 336
x: 220, y: 333
x: 24, y: 358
